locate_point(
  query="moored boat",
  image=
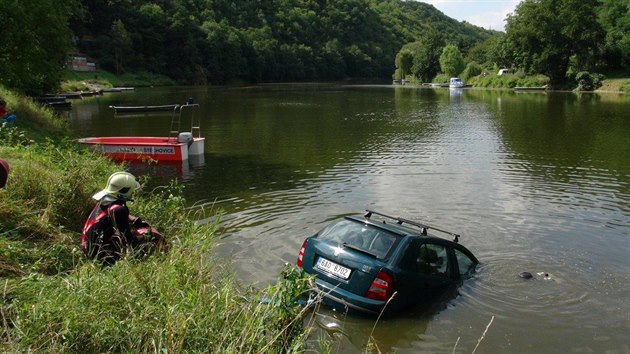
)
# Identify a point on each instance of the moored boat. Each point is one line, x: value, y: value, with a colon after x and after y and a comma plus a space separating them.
x: 139, y: 109
x: 71, y: 95
x: 179, y: 146
x: 53, y: 101
x: 455, y: 82
x: 133, y: 148
x: 117, y: 89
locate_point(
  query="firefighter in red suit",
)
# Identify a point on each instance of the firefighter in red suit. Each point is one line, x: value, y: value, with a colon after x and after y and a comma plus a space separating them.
x: 109, y: 229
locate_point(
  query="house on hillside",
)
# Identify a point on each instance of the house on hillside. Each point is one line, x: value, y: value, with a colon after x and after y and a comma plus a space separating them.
x: 79, y: 62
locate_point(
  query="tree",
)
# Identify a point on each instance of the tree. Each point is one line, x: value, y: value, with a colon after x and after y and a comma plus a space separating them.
x: 545, y: 34
x: 614, y: 16
x: 331, y: 64
x: 271, y: 40
x: 451, y: 61
x: 472, y: 69
x: 492, y: 51
x: 121, y: 43
x: 34, y: 44
x: 404, y: 61
x: 426, y: 57
x: 150, y: 24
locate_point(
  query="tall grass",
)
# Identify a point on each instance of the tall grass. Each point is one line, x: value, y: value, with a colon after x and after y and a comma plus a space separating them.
x: 508, y: 80
x: 44, y: 203
x: 102, y: 78
x: 179, y: 302
x: 32, y: 117
x: 54, y: 300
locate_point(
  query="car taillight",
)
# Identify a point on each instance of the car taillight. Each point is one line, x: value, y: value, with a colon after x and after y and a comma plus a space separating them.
x: 301, y: 255
x: 381, y: 288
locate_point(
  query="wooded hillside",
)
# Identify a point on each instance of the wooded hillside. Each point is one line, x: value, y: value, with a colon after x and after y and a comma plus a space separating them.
x: 218, y: 41
x: 221, y: 41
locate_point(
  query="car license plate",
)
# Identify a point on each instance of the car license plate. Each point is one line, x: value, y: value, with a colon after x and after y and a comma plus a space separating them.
x: 333, y: 268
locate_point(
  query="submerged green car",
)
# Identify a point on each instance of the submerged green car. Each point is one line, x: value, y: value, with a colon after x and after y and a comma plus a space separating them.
x: 370, y: 267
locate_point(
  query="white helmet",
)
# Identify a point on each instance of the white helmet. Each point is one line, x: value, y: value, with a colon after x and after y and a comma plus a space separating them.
x: 120, y: 185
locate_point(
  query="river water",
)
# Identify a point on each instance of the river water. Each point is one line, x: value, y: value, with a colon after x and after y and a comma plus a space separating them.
x: 536, y: 182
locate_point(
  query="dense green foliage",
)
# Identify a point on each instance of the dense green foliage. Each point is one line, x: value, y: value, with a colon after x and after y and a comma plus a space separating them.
x: 508, y: 80
x: 34, y: 42
x: 614, y: 17
x: 588, y: 81
x: 426, y: 55
x: 555, y: 38
x: 472, y: 69
x: 404, y: 62
x: 451, y: 61
x: 545, y: 35
x: 217, y: 41
x: 56, y: 301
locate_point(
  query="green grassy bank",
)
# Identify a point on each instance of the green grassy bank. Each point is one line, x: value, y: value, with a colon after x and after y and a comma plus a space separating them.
x: 508, y: 81
x: 615, y: 85
x: 86, y: 81
x: 56, y: 301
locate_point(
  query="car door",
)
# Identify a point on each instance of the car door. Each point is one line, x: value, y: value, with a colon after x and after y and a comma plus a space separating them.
x: 425, y: 271
x: 465, y: 263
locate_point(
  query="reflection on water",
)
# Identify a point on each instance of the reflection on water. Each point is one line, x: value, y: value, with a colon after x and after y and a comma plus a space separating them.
x: 533, y: 182
x: 164, y: 171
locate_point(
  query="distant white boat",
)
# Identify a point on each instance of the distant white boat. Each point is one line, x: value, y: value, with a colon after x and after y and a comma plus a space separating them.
x: 455, y: 82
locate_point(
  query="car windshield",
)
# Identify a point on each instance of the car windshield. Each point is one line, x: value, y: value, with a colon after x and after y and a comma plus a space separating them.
x: 360, y: 236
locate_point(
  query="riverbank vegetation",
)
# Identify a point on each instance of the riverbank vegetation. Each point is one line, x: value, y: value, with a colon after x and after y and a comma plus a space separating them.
x: 571, y: 42
x: 217, y: 42
x: 617, y: 81
x: 518, y: 79
x: 54, y: 300
x: 87, y: 81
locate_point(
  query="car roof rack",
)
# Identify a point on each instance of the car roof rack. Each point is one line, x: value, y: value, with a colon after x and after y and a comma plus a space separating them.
x: 400, y: 221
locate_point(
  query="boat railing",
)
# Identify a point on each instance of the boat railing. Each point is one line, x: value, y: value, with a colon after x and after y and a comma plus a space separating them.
x: 195, y: 119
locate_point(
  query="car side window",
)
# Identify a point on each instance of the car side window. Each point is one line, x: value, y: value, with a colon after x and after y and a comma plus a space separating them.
x: 464, y: 263
x: 409, y: 260
x: 433, y: 260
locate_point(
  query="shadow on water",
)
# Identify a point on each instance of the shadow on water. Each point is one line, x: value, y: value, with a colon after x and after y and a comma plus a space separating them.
x: 164, y: 171
x: 403, y: 331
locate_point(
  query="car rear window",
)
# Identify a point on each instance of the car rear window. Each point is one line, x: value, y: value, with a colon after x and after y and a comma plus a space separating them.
x: 364, y: 237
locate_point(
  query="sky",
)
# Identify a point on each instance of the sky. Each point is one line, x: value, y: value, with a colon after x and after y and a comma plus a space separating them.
x: 489, y: 14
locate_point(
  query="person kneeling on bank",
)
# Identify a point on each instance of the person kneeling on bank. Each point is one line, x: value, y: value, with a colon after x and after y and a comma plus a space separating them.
x: 4, y: 115
x: 110, y: 228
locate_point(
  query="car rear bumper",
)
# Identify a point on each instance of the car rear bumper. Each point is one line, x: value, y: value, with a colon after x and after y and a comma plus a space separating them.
x: 345, y: 301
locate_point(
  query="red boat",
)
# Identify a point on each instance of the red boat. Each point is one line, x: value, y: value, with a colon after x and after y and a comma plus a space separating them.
x: 177, y: 147
x: 129, y: 148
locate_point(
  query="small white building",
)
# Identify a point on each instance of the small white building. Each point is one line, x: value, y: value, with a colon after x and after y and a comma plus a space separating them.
x: 80, y: 63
